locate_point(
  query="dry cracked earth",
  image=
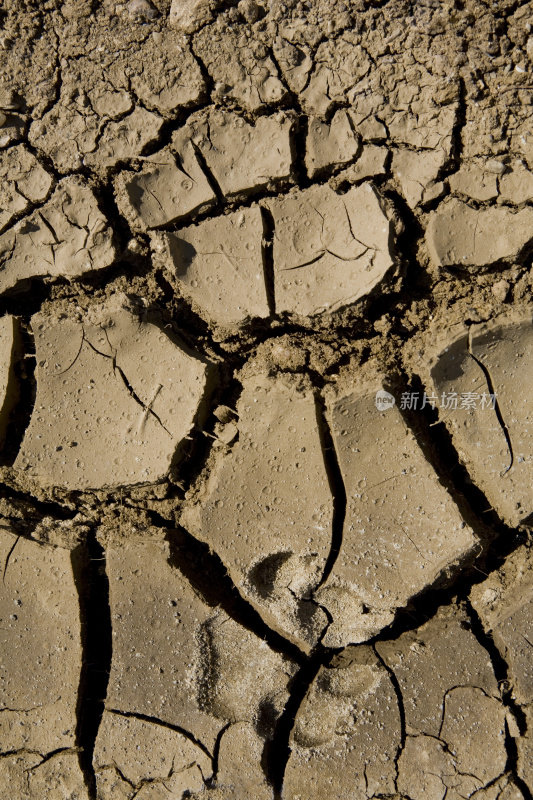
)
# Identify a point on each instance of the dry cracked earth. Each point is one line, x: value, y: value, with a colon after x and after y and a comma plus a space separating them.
x: 266, y: 406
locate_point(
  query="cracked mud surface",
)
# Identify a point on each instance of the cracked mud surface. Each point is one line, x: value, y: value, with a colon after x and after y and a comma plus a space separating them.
x: 266, y: 423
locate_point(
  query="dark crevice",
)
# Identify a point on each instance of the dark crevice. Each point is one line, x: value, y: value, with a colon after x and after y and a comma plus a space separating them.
x: 212, y: 181
x: 336, y: 485
x: 492, y: 391
x: 501, y: 672
x: 207, y: 574
x: 298, y: 145
x: 216, y: 753
x: 401, y: 708
x: 22, y: 392
x: 92, y: 584
x: 267, y: 247
x: 277, y: 752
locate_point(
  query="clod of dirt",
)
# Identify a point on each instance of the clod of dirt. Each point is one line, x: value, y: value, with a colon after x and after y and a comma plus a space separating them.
x: 124, y: 139
x: 417, y: 174
x: 40, y: 645
x: 495, y: 443
x: 329, y: 250
x: 219, y: 266
x: 504, y: 602
x: 267, y: 507
x: 181, y: 665
x: 68, y: 236
x: 391, y: 549
x: 23, y: 182
x: 9, y: 346
x: 241, y: 157
x: 454, y: 719
x: 242, y: 70
x: 106, y: 412
x: 330, y: 144
x: 190, y: 15
x: 458, y: 235
x: 346, y: 733
x: 164, y: 191
x: 338, y: 66
x: 165, y: 76
x: 147, y: 757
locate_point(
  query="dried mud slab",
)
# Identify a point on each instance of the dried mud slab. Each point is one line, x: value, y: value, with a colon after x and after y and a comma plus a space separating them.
x: 106, y: 413
x: 462, y: 236
x: 241, y: 158
x: 330, y: 145
x: 184, y: 673
x: 218, y: 265
x: 455, y: 722
x: 391, y: 548
x: 41, y: 666
x: 504, y: 602
x: 329, y: 250
x: 266, y: 508
x: 165, y: 190
x: 346, y: 733
x: 494, y: 443
x: 68, y: 236
x: 24, y: 183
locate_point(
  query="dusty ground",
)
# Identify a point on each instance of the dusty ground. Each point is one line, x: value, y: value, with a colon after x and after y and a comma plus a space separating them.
x: 266, y: 405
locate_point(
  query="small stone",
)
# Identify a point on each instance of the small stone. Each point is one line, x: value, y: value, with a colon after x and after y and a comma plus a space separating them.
x: 500, y: 290
x: 142, y: 9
